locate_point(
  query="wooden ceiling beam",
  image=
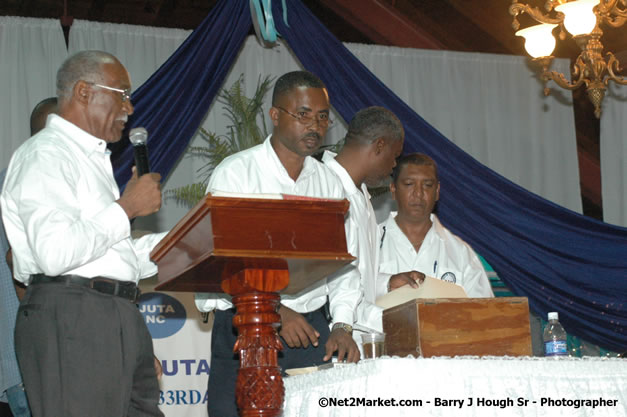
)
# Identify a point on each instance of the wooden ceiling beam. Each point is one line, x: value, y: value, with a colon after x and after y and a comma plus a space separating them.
x: 590, y: 177
x: 383, y: 23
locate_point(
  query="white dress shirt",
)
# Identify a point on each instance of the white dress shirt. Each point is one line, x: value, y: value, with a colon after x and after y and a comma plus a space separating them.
x: 60, y: 214
x: 259, y: 170
x: 363, y: 230
x: 442, y: 255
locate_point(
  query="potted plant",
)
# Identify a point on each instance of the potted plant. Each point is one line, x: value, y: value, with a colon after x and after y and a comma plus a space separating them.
x: 244, y: 132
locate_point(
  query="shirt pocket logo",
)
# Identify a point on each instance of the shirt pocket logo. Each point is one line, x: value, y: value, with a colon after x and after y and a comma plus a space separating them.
x: 449, y: 277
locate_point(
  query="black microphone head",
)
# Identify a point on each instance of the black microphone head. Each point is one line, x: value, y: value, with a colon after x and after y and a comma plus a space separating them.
x: 138, y: 136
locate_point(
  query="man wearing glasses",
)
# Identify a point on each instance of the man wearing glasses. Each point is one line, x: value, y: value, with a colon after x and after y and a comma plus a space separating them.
x: 82, y: 345
x: 283, y: 164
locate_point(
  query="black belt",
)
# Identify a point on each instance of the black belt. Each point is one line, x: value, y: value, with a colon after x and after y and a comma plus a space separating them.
x: 127, y: 290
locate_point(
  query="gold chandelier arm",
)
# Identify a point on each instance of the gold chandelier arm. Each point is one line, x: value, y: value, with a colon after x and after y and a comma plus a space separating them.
x: 561, y: 80
x: 615, y: 21
x: 606, y: 6
x: 613, y: 65
x: 611, y: 6
x: 612, y: 13
x: 518, y: 8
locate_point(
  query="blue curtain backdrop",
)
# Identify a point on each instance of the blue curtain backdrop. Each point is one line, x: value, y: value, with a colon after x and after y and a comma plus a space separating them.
x: 560, y: 260
x: 172, y: 103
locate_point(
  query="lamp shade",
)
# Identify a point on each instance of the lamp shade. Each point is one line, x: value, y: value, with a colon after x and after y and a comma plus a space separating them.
x: 539, y: 41
x: 579, y: 18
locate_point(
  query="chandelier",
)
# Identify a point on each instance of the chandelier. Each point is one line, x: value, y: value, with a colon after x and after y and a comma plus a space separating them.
x: 581, y: 18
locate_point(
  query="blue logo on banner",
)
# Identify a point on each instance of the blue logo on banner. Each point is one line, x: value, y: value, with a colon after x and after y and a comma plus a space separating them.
x: 164, y: 315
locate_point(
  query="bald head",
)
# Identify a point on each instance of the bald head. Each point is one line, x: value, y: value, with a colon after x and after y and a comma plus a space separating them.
x: 40, y: 114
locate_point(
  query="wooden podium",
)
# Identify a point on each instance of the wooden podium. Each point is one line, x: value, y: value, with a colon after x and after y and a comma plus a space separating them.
x: 252, y: 249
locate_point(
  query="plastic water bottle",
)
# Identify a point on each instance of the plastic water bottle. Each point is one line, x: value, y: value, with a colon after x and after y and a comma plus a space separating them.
x: 554, y: 337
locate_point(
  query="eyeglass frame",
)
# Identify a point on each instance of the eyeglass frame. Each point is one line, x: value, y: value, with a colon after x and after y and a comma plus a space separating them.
x: 320, y: 122
x: 126, y: 93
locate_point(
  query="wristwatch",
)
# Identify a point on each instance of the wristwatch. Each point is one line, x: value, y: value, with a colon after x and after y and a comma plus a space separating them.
x: 346, y: 327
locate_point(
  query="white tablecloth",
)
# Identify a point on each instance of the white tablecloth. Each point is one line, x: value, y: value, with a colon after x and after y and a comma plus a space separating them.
x: 445, y: 386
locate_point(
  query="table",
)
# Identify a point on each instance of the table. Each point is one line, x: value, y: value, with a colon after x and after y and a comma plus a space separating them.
x: 462, y: 386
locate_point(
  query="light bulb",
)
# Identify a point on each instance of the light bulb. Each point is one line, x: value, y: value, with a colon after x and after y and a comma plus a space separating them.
x: 539, y: 40
x: 579, y: 18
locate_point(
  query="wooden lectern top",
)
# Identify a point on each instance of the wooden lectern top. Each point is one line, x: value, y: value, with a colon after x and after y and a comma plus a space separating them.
x: 222, y: 236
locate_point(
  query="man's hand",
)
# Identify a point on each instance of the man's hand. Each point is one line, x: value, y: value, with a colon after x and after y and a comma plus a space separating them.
x: 342, y: 342
x: 413, y: 278
x: 142, y: 196
x: 295, y: 330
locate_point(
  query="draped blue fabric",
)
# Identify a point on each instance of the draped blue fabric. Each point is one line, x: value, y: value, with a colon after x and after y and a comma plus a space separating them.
x: 560, y: 260
x: 173, y: 101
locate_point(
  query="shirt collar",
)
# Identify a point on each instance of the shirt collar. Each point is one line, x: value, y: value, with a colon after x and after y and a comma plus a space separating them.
x: 308, y: 166
x: 328, y: 158
x: 436, y: 227
x: 85, y: 141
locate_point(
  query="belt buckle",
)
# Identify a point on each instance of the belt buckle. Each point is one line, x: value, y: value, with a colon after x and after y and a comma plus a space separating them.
x: 102, y: 285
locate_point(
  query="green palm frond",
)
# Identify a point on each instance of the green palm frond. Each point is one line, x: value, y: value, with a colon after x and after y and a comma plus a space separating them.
x: 243, y: 111
x: 189, y: 194
x: 243, y: 133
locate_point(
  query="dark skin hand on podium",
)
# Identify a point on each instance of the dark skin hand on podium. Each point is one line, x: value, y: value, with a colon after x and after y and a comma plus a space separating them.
x: 342, y: 342
x: 413, y: 278
x: 298, y: 333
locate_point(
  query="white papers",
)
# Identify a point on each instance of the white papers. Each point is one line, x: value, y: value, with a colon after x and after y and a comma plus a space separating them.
x: 246, y: 195
x: 310, y: 369
x: 430, y: 288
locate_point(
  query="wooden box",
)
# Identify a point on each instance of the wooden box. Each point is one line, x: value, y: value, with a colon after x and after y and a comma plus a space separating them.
x: 458, y: 326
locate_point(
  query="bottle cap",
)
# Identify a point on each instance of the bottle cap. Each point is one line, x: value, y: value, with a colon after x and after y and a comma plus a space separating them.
x: 553, y: 315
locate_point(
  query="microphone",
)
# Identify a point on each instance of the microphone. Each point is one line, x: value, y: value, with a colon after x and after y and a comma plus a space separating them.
x: 138, y: 137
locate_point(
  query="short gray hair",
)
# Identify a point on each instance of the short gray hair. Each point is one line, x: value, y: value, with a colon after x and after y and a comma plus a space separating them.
x: 84, y: 65
x: 374, y: 122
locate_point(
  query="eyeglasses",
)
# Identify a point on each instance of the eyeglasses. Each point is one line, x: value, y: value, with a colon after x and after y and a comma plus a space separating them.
x: 307, y: 120
x: 126, y: 93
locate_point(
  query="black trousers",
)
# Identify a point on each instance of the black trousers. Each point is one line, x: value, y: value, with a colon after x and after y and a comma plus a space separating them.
x: 225, y: 364
x: 83, y: 353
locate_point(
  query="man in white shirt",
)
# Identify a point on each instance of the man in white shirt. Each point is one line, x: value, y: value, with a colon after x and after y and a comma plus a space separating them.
x: 282, y: 164
x: 414, y: 238
x: 373, y: 142
x: 82, y: 345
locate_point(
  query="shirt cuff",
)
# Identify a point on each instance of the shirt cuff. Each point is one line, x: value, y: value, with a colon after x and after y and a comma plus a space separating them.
x: 383, y: 280
x: 207, y: 302
x: 342, y: 315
